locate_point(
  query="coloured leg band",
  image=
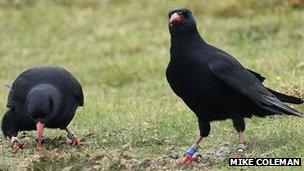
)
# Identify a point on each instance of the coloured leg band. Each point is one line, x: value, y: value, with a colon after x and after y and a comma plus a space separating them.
x: 241, y: 147
x: 192, y: 150
x: 14, y: 139
x: 71, y: 136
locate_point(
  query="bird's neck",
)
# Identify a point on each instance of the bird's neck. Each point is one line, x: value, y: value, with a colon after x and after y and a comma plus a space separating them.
x: 182, y: 45
x: 179, y: 40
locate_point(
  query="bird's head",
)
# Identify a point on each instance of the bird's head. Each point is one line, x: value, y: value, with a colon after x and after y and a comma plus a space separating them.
x: 181, y: 22
x: 43, y: 102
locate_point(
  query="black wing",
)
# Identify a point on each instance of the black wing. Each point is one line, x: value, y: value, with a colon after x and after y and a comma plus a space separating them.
x: 238, y: 78
x: 79, y: 96
x: 257, y: 75
x: 281, y: 96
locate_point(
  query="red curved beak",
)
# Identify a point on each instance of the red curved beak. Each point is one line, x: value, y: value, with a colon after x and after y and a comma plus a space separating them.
x: 175, y: 17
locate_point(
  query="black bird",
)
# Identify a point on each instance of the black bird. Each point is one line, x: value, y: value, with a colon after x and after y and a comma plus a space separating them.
x: 214, y: 85
x: 42, y: 97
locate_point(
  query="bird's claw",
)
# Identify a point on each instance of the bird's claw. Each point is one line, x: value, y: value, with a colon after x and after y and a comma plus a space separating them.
x: 39, y: 146
x: 44, y: 140
x: 239, y: 153
x: 76, y: 142
x: 188, y: 159
x: 16, y: 146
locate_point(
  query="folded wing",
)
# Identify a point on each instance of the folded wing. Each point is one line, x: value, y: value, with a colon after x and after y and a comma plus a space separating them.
x: 246, y: 83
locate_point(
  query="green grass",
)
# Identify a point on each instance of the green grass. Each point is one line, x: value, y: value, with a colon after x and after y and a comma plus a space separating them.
x: 119, y: 50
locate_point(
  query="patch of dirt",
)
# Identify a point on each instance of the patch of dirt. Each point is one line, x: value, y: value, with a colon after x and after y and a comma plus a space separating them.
x: 118, y: 160
x: 122, y: 159
x: 298, y: 92
x: 300, y: 65
x: 58, y: 157
x: 57, y: 143
x: 207, y: 160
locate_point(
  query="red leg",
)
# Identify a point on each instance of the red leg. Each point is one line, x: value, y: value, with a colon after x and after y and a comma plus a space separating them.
x: 40, y: 127
x: 240, y: 152
x: 191, y: 154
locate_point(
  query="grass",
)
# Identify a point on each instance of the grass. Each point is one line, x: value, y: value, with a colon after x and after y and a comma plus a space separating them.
x: 119, y: 50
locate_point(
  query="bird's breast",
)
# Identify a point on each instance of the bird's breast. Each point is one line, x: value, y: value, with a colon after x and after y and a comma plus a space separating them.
x: 185, y: 79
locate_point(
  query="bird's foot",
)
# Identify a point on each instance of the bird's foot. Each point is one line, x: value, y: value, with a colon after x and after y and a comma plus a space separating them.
x: 188, y: 159
x: 40, y: 146
x: 240, y: 152
x: 16, y: 146
x: 190, y: 156
x: 76, y: 142
x: 44, y: 140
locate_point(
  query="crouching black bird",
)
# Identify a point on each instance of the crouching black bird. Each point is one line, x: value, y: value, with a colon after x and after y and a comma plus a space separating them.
x: 42, y: 97
x: 214, y: 85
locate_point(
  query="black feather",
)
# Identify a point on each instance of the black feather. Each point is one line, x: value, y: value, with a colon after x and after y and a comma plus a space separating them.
x: 214, y: 84
x: 49, y: 93
x: 280, y: 96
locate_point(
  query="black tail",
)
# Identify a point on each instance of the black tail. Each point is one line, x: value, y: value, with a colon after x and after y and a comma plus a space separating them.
x: 286, y: 98
x: 278, y: 107
x: 272, y: 103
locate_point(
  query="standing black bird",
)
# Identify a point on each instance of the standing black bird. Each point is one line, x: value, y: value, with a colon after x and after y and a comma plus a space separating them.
x: 42, y: 97
x: 214, y: 85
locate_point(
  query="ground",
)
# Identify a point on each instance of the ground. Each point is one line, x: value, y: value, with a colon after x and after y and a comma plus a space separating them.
x: 119, y: 50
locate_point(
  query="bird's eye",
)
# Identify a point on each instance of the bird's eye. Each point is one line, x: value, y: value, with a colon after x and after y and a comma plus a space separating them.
x: 187, y: 13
